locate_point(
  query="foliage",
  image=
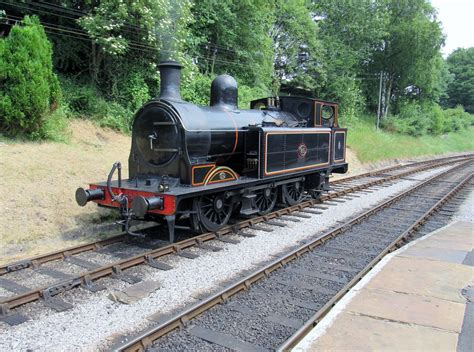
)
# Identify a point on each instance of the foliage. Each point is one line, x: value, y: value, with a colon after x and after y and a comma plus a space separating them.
x: 249, y: 93
x: 130, y: 38
x: 298, y: 51
x: 457, y: 119
x: 56, y: 126
x: 410, y: 53
x: 350, y: 32
x: 419, y: 119
x: 461, y: 89
x: 232, y: 37
x: 83, y: 100
x: 30, y: 90
x: 196, y: 88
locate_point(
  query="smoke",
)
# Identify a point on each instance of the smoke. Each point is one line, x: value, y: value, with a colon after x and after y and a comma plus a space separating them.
x: 170, y: 31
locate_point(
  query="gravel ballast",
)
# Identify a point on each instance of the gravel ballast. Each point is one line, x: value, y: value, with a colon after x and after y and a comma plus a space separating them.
x: 95, y: 320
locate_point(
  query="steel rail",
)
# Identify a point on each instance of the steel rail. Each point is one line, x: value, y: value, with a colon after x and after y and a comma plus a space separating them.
x: 399, y: 166
x: 144, y: 340
x: 107, y: 270
x: 61, y: 254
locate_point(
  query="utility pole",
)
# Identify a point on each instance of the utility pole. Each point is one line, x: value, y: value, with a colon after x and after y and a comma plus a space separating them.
x: 380, y: 99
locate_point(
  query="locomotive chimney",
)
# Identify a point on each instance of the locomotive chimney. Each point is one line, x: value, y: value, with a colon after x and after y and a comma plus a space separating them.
x: 170, y: 76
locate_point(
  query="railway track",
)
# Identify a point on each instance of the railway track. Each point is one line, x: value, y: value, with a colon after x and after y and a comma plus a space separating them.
x: 60, y: 281
x: 275, y: 306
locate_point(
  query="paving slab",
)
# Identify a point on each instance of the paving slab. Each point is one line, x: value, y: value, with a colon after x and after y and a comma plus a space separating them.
x: 361, y: 333
x: 433, y: 253
x: 461, y: 231
x: 446, y: 243
x: 424, y: 277
x: 410, y: 309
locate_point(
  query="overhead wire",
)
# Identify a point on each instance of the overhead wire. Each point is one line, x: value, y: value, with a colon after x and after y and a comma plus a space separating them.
x: 79, y: 13
x: 77, y: 33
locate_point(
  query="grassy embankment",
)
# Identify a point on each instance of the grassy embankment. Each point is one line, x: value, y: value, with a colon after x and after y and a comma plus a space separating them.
x: 370, y: 145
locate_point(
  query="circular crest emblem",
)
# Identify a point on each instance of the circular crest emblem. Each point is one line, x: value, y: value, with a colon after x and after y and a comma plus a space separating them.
x: 222, y: 175
x: 302, y: 150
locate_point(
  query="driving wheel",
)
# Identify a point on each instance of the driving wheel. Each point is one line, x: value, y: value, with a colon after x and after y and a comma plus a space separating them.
x: 212, y: 212
x: 293, y: 192
x: 266, y: 200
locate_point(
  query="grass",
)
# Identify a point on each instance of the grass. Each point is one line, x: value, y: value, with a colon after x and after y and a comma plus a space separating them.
x: 370, y: 145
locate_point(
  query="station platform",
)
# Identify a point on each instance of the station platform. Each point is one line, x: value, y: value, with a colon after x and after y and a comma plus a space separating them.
x: 418, y: 298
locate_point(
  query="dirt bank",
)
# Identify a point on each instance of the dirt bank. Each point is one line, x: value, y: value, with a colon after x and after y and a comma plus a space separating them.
x: 38, y: 181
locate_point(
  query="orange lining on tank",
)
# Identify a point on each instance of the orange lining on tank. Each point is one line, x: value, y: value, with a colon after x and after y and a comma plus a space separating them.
x: 225, y: 169
x: 199, y: 167
x: 236, y: 132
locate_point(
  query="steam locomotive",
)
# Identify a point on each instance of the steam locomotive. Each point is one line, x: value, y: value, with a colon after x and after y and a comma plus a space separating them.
x: 201, y: 165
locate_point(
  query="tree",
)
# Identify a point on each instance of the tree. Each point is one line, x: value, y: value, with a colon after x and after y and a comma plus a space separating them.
x: 233, y: 37
x: 29, y: 89
x: 129, y: 38
x: 298, y: 51
x: 350, y: 32
x: 409, y: 56
x: 461, y: 89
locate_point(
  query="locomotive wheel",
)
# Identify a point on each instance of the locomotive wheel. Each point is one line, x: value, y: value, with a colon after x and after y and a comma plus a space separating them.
x: 266, y: 200
x: 212, y: 211
x: 293, y: 192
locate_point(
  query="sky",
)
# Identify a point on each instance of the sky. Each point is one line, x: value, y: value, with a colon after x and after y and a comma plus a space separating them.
x: 457, y: 17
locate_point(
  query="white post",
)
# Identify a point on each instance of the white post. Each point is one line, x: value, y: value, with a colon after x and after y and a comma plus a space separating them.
x: 380, y: 98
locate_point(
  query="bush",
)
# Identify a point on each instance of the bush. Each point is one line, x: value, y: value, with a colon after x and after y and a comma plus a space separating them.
x: 247, y: 94
x: 196, y: 88
x: 83, y: 100
x: 457, y: 119
x: 29, y: 90
x: 417, y: 119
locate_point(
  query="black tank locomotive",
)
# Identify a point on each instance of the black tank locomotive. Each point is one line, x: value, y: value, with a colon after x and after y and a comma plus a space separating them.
x: 203, y: 164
